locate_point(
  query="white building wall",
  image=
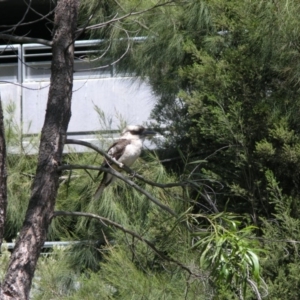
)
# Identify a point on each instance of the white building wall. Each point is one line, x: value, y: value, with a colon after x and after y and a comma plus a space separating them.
x: 121, y: 99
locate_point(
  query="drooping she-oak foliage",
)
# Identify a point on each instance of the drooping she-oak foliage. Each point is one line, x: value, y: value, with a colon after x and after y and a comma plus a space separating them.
x: 226, y: 74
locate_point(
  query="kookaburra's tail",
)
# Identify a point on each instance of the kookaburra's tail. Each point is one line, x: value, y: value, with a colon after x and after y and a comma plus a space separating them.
x: 99, y: 191
x: 106, y: 180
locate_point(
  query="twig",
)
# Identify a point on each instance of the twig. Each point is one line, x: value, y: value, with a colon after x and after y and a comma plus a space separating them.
x: 31, y: 22
x: 39, y: 14
x: 14, y: 27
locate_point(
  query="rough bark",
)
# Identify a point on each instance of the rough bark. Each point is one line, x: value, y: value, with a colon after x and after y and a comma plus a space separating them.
x: 17, y: 282
x: 3, y: 176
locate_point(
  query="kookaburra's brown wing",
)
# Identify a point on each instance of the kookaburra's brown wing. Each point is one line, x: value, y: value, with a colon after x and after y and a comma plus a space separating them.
x: 116, y: 151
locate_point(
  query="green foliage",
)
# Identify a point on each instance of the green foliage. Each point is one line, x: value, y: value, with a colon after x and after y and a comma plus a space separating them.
x: 226, y: 74
x: 281, y: 240
x: 119, y: 270
x: 4, y: 259
x: 115, y: 265
x: 20, y: 169
x: 228, y: 252
x: 54, y: 279
x: 119, y: 278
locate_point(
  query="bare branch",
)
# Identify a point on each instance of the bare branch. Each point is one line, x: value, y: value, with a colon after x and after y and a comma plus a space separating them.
x: 125, y: 230
x: 115, y: 162
x: 24, y: 39
x: 13, y: 27
x: 41, y: 15
x: 123, y: 178
x: 100, y: 151
x: 21, y: 23
x: 132, y: 173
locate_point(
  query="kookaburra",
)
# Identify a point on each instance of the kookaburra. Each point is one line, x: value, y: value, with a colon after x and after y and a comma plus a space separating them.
x: 126, y: 150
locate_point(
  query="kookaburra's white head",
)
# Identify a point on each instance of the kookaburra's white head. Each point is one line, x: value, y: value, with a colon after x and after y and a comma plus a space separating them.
x: 137, y: 132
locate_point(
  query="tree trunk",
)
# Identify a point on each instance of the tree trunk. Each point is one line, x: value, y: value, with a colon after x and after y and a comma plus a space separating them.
x: 33, y: 234
x: 3, y: 176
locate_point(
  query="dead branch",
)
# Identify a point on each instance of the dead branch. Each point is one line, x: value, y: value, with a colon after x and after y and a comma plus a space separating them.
x: 43, y: 17
x: 24, y: 39
x: 13, y: 27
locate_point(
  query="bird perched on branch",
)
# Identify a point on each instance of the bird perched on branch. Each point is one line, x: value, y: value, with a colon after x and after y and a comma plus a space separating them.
x: 126, y: 151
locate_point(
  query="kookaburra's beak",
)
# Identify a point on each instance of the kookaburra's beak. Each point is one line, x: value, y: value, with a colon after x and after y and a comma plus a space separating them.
x: 149, y: 133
